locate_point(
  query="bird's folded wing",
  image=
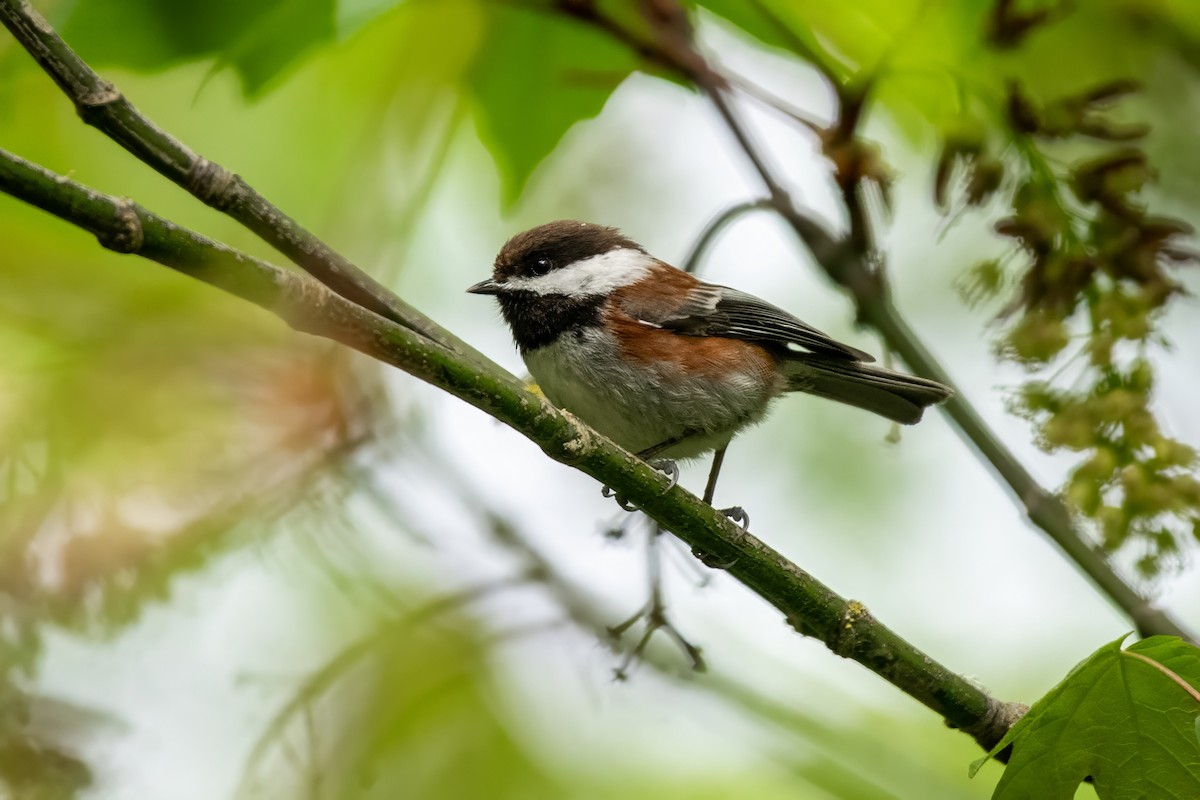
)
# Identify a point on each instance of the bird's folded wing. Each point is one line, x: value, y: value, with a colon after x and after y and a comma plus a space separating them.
x: 711, y: 310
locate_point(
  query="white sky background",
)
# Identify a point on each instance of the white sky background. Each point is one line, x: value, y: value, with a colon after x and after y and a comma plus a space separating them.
x: 946, y: 559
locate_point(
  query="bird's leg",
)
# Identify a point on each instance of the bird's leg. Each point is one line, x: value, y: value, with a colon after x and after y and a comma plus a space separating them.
x: 736, y: 513
x: 710, y: 488
x: 655, y: 614
x: 665, y: 465
x: 665, y: 444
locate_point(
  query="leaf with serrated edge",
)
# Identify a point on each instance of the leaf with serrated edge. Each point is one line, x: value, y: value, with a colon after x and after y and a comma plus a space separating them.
x: 1128, y: 724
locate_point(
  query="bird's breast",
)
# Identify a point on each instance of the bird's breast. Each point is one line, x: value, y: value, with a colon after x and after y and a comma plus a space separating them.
x: 640, y: 391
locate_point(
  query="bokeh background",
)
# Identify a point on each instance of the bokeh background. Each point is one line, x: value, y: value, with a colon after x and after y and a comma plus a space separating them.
x: 236, y: 561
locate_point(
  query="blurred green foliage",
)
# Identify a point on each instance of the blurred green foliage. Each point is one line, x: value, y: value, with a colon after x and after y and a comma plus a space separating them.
x: 402, y: 712
x: 413, y: 707
x: 257, y: 40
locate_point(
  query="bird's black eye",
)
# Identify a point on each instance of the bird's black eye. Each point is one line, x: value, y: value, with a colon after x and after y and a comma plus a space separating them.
x: 540, y: 266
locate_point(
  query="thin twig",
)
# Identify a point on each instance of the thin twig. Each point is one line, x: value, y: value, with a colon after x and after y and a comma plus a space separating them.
x: 654, y: 613
x: 772, y: 101
x: 692, y: 260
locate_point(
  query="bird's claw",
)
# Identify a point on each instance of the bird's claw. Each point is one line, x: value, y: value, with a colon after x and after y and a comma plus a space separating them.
x: 664, y: 465
x: 738, y: 515
x: 625, y: 505
x: 711, y: 561
x: 667, y: 467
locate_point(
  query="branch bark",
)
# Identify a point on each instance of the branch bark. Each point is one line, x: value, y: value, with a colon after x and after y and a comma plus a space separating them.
x: 810, y: 607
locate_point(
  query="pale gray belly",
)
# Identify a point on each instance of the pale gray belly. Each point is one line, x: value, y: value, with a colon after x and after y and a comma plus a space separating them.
x: 644, y: 407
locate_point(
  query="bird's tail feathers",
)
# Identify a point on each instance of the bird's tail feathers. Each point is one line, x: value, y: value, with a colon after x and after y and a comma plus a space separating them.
x: 899, y: 397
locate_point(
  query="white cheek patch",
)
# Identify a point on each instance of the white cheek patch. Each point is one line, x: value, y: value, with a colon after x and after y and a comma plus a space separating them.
x: 597, y: 275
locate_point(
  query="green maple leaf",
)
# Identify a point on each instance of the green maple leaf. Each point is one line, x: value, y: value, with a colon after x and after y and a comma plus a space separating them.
x: 537, y: 75
x: 1129, y: 719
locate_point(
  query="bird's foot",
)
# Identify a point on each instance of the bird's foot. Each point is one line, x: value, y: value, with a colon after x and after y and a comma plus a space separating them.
x: 664, y: 465
x: 738, y: 515
x: 711, y: 561
x: 667, y: 467
x: 625, y: 505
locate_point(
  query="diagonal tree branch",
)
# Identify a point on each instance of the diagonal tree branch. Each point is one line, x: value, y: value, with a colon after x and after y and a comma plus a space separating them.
x: 810, y: 607
x: 850, y: 263
x: 102, y: 105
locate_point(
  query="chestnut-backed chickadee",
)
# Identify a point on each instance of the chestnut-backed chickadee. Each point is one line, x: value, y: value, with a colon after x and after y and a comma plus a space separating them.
x: 659, y: 361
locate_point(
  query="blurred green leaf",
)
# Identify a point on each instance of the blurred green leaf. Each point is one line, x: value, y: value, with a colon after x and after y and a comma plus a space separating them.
x: 931, y: 63
x: 536, y: 76
x: 428, y: 717
x: 776, y: 25
x: 354, y: 14
x: 1127, y: 723
x: 258, y: 40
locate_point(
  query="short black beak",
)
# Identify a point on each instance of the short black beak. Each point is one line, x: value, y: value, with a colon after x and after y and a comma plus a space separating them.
x: 486, y: 287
